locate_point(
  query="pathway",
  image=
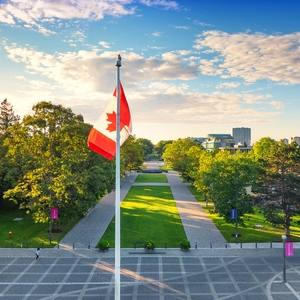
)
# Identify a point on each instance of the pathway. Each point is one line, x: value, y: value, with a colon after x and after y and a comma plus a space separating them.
x: 197, y: 225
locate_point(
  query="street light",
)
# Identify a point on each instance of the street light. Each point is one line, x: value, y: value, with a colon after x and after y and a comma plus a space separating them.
x: 236, y: 208
x: 283, y: 243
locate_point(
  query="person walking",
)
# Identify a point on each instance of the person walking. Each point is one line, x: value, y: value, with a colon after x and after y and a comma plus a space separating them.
x: 37, y: 253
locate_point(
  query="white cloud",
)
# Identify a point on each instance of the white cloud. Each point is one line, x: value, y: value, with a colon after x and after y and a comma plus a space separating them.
x: 87, y: 71
x: 157, y: 33
x: 86, y: 79
x: 228, y: 85
x: 276, y: 104
x: 34, y: 11
x: 251, y: 56
x: 166, y: 4
x: 181, y: 27
x: 104, y: 44
x: 196, y: 22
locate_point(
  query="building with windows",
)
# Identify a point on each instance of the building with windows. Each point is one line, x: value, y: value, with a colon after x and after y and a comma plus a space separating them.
x: 242, y: 136
x: 198, y: 140
x: 218, y: 141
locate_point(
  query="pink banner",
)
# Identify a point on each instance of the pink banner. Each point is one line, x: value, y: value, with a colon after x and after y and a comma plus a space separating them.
x: 54, y: 213
x: 289, y: 249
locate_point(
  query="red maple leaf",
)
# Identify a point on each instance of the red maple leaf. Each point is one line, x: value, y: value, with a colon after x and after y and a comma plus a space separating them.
x: 113, y: 122
x: 112, y: 119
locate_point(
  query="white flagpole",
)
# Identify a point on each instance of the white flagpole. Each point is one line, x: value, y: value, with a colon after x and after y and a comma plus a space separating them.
x: 117, y: 200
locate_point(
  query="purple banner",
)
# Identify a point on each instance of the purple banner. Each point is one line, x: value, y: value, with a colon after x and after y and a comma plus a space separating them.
x: 289, y: 249
x: 54, y: 213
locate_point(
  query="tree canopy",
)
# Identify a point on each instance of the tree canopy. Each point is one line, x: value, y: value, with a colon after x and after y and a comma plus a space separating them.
x: 226, y: 178
x: 176, y: 155
x: 279, y: 185
x: 52, y: 165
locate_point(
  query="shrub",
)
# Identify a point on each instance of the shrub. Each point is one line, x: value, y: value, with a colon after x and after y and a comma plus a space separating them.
x: 185, y: 245
x: 149, y: 245
x: 103, y: 245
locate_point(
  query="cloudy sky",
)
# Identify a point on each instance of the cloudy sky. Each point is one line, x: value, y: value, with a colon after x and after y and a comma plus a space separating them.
x: 189, y: 68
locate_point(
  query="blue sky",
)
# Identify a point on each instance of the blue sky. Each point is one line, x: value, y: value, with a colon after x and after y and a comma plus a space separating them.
x: 189, y: 68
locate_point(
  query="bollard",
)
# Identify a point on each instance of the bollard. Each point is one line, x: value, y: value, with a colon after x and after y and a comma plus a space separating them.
x: 271, y: 245
x: 134, y: 245
x: 241, y: 245
x: 89, y: 245
x: 57, y: 245
x: 73, y: 246
x: 255, y: 244
x: 210, y: 244
x: 166, y: 245
x: 226, y: 245
x: 196, y: 246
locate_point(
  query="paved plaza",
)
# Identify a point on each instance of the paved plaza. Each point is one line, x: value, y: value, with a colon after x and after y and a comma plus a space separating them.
x: 165, y: 274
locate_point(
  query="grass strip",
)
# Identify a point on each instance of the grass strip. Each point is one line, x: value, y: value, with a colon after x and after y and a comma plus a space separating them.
x: 248, y: 231
x: 148, y: 212
x: 146, y: 178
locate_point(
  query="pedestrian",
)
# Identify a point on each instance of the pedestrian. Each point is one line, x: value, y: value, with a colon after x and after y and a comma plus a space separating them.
x: 37, y: 253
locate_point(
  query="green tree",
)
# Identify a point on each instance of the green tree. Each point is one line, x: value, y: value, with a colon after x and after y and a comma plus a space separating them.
x: 132, y: 154
x: 176, y: 155
x: 226, y: 178
x: 262, y: 147
x: 160, y: 147
x: 54, y: 166
x: 7, y: 119
x: 147, y: 145
x: 279, y: 185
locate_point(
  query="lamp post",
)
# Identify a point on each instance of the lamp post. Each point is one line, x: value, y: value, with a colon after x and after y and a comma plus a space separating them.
x: 284, y: 271
x: 236, y: 208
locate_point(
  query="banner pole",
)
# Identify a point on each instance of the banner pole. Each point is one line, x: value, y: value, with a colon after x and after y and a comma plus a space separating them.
x: 117, y: 194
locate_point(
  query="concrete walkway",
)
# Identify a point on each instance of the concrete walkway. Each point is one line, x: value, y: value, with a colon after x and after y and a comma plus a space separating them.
x: 90, y: 229
x: 198, y: 227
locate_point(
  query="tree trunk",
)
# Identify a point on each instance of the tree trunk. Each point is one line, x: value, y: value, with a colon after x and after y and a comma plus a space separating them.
x: 287, y: 231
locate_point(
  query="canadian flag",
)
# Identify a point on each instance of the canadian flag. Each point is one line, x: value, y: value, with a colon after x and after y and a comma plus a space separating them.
x: 102, y: 137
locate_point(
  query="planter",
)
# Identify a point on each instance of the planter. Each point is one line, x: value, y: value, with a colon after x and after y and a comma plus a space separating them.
x: 103, y: 245
x: 149, y: 245
x: 185, y: 245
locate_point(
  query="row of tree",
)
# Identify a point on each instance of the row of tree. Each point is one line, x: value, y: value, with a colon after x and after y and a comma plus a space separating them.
x: 268, y: 177
x: 45, y: 162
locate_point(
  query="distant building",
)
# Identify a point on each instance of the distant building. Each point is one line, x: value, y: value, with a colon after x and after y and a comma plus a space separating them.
x: 240, y: 148
x: 218, y: 141
x: 198, y: 140
x: 295, y: 139
x: 242, y: 136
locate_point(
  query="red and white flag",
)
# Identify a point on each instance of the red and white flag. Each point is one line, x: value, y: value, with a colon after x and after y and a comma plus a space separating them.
x: 102, y: 137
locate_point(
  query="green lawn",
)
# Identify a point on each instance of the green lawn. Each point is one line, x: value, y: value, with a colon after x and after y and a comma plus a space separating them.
x: 26, y: 232
x: 165, y: 168
x: 158, y: 178
x: 248, y: 231
x: 148, y: 212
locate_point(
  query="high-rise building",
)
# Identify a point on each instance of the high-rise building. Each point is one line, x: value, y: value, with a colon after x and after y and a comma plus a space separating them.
x: 242, y: 136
